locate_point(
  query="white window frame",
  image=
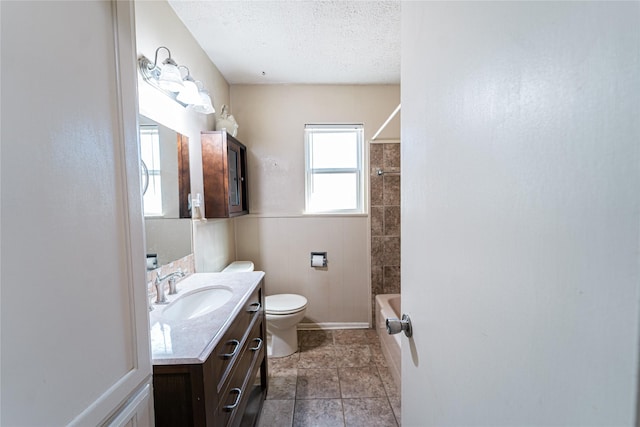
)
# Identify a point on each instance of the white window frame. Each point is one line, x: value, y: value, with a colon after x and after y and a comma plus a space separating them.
x: 153, y: 170
x: 310, y: 171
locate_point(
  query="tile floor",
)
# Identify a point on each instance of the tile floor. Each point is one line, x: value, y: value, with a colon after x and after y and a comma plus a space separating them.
x: 338, y: 378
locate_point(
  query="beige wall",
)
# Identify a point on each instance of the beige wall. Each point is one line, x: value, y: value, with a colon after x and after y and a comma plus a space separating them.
x: 277, y: 237
x: 272, y: 119
x: 157, y: 25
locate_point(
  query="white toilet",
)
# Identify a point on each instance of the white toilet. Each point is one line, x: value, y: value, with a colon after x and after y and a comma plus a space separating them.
x: 283, y: 313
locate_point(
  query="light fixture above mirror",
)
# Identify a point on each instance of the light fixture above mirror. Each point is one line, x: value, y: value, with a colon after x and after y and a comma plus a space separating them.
x: 189, y: 93
x: 167, y: 78
x: 205, y: 107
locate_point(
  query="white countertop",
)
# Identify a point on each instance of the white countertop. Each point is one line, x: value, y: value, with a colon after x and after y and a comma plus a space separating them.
x: 191, y: 341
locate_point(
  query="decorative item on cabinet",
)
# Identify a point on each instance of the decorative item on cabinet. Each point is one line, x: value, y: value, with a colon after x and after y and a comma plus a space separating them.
x: 224, y: 170
x: 226, y: 121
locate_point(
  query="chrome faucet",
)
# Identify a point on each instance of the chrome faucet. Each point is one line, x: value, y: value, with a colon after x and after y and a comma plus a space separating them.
x: 149, y: 295
x: 159, y: 283
x: 172, y: 281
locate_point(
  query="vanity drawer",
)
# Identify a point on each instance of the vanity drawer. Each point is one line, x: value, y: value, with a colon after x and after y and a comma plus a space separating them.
x: 230, y: 347
x: 235, y: 394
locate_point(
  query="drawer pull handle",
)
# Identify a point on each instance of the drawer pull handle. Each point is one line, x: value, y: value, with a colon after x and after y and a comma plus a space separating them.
x: 257, y: 347
x: 236, y: 345
x: 255, y: 307
x: 235, y: 404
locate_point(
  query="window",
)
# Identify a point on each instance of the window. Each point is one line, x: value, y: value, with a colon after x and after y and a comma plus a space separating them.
x: 334, y: 177
x: 150, y: 154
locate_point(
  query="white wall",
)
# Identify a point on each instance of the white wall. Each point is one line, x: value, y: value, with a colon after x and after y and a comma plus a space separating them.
x: 75, y: 340
x: 521, y: 165
x: 277, y: 237
x: 158, y: 25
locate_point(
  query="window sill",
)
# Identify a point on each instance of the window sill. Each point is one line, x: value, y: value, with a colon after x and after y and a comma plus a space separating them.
x: 324, y: 214
x: 308, y: 215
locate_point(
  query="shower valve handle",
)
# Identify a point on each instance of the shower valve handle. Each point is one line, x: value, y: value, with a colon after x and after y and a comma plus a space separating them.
x: 395, y: 326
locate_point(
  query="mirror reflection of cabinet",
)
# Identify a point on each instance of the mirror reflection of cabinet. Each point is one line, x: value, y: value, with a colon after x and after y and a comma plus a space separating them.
x: 224, y: 166
x: 184, y: 177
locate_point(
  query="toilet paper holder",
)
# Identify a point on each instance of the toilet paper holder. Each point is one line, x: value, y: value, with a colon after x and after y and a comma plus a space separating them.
x: 316, y: 255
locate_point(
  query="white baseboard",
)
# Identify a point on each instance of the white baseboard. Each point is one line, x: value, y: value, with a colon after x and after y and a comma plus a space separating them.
x: 332, y: 325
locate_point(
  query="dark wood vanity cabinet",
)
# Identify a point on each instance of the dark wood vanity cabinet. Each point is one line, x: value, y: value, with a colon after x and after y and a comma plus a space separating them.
x: 229, y: 388
x: 224, y: 171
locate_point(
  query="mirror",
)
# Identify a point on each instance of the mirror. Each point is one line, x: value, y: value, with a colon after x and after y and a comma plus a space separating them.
x: 165, y: 154
x: 165, y: 157
x: 168, y: 238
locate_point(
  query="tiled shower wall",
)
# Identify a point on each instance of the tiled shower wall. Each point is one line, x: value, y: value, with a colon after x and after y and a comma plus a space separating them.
x: 385, y: 218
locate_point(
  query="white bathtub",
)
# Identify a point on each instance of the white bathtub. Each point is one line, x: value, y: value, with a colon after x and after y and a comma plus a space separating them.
x: 388, y: 306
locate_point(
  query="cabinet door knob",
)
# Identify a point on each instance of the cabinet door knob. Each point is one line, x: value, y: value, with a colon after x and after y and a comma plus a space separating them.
x: 235, y: 404
x: 257, y: 347
x: 255, y: 307
x: 236, y: 345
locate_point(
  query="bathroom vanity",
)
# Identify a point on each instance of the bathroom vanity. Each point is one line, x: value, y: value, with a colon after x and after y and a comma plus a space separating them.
x: 210, y: 369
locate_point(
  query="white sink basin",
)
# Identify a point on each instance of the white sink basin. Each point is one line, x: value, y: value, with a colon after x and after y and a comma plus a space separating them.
x: 197, y: 303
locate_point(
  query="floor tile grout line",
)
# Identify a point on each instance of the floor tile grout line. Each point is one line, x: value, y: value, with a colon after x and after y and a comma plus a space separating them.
x: 372, y: 361
x: 293, y: 414
x: 344, y: 418
x: 386, y: 393
x: 295, y: 393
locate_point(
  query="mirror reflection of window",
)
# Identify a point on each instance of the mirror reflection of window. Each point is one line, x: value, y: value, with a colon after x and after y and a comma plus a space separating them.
x: 150, y: 153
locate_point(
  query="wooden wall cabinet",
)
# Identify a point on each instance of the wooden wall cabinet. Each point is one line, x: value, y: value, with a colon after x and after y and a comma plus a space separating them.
x: 229, y: 388
x: 224, y: 170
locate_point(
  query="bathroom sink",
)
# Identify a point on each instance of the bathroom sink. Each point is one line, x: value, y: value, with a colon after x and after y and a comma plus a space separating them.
x: 197, y: 303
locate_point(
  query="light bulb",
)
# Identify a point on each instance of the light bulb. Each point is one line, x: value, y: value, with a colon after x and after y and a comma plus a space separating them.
x: 189, y: 93
x: 170, y: 78
x: 204, y: 106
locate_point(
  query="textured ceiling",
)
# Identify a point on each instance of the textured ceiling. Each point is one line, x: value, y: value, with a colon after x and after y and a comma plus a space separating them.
x: 303, y: 42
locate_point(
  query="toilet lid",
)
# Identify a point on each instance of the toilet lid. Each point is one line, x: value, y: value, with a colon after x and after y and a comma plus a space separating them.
x: 284, y: 303
x: 238, y: 267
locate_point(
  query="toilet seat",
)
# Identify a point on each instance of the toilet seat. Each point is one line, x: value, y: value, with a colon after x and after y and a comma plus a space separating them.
x: 284, y: 304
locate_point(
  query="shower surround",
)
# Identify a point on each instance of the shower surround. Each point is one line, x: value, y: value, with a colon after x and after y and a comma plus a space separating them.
x: 385, y: 219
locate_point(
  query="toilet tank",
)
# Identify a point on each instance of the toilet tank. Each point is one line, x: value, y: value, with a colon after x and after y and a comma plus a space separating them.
x: 238, y: 267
